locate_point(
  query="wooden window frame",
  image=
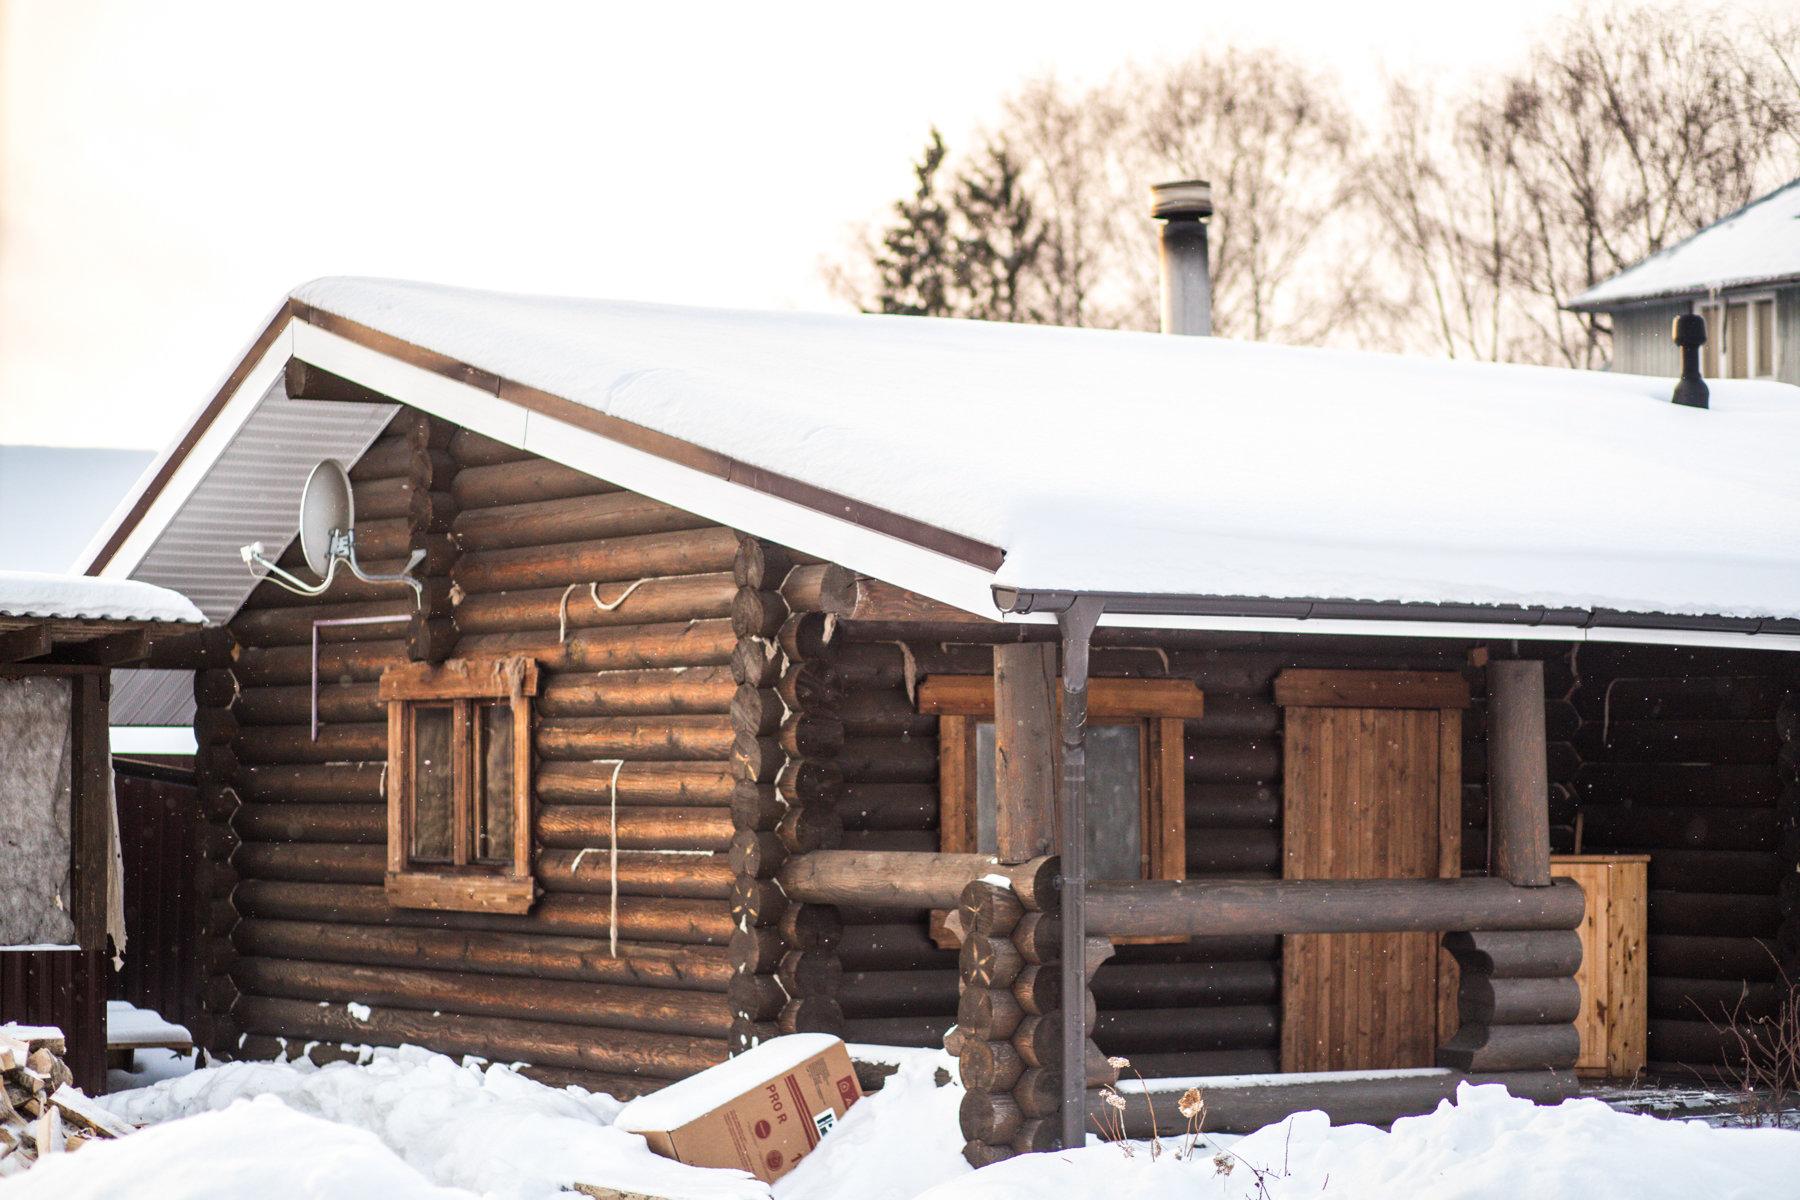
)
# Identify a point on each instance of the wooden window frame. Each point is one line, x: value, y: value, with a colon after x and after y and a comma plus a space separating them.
x: 464, y: 685
x: 1160, y: 708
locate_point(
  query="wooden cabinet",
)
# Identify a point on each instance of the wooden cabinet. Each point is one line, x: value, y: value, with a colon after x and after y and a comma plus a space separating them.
x: 1613, y: 979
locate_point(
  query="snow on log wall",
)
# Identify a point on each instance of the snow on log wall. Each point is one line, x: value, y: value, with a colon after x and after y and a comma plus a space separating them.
x: 1680, y: 759
x: 520, y: 551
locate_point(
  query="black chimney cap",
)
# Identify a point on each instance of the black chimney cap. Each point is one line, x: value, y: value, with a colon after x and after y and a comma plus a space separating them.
x: 1689, y: 332
x: 1181, y: 200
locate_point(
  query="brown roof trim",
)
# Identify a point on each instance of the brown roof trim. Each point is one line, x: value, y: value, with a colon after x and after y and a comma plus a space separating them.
x: 165, y: 470
x: 665, y: 446
x: 626, y: 433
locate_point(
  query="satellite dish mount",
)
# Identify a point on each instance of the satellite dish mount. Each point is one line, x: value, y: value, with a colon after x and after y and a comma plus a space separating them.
x: 328, y: 539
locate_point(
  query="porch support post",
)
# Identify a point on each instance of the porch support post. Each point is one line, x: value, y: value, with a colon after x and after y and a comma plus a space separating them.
x: 1077, y: 624
x: 1024, y: 751
x: 1518, y: 773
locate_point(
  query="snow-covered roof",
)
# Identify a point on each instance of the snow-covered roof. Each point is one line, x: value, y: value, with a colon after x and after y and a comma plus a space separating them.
x: 950, y: 456
x: 84, y: 598
x: 1757, y: 244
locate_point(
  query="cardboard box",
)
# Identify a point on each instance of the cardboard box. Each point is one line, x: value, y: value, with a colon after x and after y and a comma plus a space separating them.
x: 762, y: 1112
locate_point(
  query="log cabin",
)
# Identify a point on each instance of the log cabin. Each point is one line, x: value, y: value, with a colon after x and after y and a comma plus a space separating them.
x: 1053, y: 694
x: 62, y: 902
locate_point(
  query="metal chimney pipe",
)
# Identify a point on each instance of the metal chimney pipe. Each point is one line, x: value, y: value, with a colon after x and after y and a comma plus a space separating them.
x: 1183, y: 206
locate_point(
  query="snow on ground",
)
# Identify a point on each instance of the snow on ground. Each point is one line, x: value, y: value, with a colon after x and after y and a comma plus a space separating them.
x: 411, y: 1125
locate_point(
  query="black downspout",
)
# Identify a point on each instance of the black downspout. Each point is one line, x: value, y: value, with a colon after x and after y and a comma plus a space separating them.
x: 1076, y: 624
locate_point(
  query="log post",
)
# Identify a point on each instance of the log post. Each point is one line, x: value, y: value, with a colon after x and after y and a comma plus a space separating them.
x: 1518, y: 773
x: 786, y: 969
x: 1010, y: 1018
x: 1076, y: 625
x: 1024, y: 750
x: 1517, y: 1001
x: 430, y: 631
x: 216, y: 777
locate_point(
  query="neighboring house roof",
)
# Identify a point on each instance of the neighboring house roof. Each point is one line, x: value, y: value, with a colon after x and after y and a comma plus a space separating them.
x: 54, y: 497
x: 949, y: 457
x: 1758, y: 244
x: 36, y: 594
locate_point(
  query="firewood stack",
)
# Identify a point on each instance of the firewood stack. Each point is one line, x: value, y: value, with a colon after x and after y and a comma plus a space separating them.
x: 41, y: 1110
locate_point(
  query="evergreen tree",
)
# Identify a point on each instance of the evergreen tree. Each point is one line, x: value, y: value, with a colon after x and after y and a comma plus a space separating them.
x: 914, y: 270
x: 997, y: 240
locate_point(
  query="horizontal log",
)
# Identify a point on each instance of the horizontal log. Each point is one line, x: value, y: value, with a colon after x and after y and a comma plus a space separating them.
x: 569, y: 519
x: 1692, y: 1043
x: 359, y: 783
x: 1213, y: 806
x: 882, y: 713
x: 1716, y: 1000
x: 312, y: 862
x: 1709, y: 913
x: 1652, y: 784
x: 364, y: 824
x: 667, y: 784
x: 1716, y: 957
x: 452, y: 996
x: 295, y: 624
x: 360, y: 742
x: 339, y: 662
x: 1124, y: 985
x: 924, y: 1032
x: 520, y: 481
x: 1711, y: 828
x: 1156, y: 908
x: 1221, y: 760
x: 702, y: 876
x: 1486, y: 1000
x: 641, y: 919
x: 1244, y: 1108
x: 645, y: 556
x: 1724, y: 742
x: 860, y: 598
x: 1124, y: 1031
x: 876, y: 879
x: 578, y: 827
x: 503, y: 1039
x: 620, y: 693
x: 337, y: 704
x: 1511, y: 1047
x: 631, y: 647
x: 902, y: 946
x: 471, y: 449
x: 697, y: 968
x: 931, y: 993
x: 1697, y: 697
x: 1235, y: 852
x: 662, y: 739
x: 888, y: 760
x: 1742, y: 872
x: 682, y: 598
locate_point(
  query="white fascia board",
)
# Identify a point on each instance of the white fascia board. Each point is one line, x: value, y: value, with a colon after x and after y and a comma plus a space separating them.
x: 872, y: 553
x: 193, y: 467
x: 459, y: 403
x: 864, y: 550
x: 1447, y: 629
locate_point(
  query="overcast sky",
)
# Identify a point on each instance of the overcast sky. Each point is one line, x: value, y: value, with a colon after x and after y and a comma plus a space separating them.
x: 169, y: 170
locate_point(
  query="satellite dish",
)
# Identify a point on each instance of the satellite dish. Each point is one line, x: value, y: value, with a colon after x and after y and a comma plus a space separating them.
x: 327, y: 538
x: 327, y: 512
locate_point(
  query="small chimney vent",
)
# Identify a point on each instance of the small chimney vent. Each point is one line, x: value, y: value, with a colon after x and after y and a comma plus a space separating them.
x: 1184, y: 206
x: 1689, y: 333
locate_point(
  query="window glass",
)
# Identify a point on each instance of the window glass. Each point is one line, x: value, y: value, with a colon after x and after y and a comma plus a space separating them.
x: 1737, y: 341
x: 1765, y: 338
x: 493, y: 806
x: 1115, y: 779
x: 433, y: 779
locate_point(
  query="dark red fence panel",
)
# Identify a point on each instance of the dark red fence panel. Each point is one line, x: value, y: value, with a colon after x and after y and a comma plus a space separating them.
x: 64, y: 988
x: 159, y: 823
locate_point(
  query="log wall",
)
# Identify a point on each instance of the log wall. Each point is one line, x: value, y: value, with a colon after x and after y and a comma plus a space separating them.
x: 1210, y: 1005
x: 523, y: 556
x: 1681, y: 758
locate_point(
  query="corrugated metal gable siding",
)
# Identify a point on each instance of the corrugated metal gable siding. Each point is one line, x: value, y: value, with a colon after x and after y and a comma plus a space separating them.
x: 143, y: 696
x: 1641, y: 343
x: 252, y: 493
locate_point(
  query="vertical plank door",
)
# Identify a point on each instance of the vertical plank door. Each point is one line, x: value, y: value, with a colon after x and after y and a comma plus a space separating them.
x: 1371, y: 791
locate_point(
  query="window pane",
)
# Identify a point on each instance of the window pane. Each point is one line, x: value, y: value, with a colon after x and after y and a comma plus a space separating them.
x: 1737, y: 341
x: 1115, y: 775
x: 493, y: 807
x: 1765, y: 338
x: 433, y: 783
x: 1115, y: 835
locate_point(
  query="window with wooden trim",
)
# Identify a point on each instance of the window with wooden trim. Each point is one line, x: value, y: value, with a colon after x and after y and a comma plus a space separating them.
x: 1136, y: 756
x: 459, y: 784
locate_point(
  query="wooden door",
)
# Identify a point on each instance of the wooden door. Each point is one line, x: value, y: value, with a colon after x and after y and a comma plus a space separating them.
x: 1372, y: 790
